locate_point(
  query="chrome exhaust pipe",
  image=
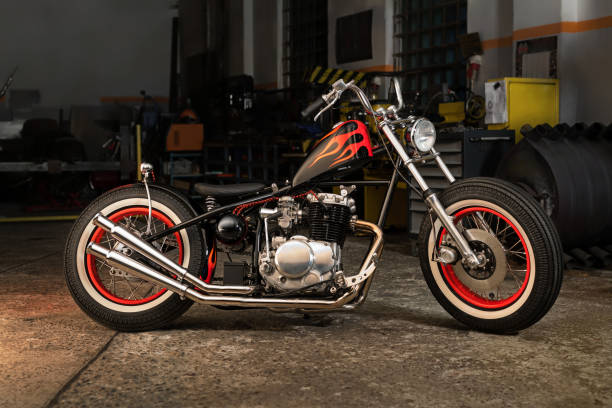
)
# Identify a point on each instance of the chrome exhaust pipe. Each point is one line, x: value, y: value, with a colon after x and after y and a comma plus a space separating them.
x: 151, y: 253
x: 125, y: 263
x: 147, y: 273
x: 374, y: 254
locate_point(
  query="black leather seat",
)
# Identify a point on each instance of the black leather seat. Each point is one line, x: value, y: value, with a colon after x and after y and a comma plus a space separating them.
x: 227, y: 190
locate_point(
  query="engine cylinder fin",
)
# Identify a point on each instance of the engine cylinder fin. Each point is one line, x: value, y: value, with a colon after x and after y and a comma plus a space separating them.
x: 328, y: 222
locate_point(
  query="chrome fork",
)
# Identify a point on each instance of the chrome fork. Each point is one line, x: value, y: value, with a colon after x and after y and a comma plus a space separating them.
x: 431, y: 199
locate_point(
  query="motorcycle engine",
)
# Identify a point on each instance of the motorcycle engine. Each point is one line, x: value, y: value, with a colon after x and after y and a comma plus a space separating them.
x: 303, y: 244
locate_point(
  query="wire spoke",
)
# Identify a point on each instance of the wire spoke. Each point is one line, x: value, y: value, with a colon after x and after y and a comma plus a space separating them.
x: 133, y: 293
x: 516, y: 278
x: 515, y: 244
x: 130, y: 287
x: 161, y: 247
x: 129, y: 223
x: 151, y: 291
x: 520, y: 255
x: 103, y: 263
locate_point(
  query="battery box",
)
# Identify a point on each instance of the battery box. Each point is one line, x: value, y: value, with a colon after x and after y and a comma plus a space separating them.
x: 235, y: 273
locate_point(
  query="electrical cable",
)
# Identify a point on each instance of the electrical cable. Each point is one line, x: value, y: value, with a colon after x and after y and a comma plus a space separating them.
x: 408, y: 183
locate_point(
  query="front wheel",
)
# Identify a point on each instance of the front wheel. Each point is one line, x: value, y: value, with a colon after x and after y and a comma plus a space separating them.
x: 522, y: 275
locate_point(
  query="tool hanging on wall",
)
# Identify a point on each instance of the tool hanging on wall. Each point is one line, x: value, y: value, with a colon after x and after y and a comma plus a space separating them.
x: 7, y: 83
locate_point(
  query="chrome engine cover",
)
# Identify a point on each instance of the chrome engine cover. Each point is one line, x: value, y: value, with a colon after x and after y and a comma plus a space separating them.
x: 299, y: 262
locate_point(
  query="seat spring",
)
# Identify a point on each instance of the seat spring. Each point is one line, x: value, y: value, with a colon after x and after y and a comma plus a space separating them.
x: 210, y: 203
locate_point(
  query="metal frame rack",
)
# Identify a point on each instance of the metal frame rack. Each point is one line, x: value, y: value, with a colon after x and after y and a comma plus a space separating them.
x: 265, y: 169
x: 219, y: 160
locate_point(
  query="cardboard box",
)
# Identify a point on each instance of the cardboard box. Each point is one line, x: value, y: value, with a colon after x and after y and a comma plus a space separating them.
x: 185, y: 137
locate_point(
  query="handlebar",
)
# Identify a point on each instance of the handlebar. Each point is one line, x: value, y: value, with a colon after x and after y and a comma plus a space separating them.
x: 398, y: 94
x: 312, y: 107
x: 339, y: 87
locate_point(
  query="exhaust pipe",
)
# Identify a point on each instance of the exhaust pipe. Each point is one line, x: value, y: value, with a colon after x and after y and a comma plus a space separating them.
x: 125, y: 263
x: 151, y: 253
x: 147, y: 273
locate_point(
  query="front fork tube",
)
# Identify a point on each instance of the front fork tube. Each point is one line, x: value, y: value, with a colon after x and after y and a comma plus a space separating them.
x: 431, y: 199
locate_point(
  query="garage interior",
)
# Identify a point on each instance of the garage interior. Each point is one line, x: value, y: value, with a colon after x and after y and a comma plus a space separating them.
x: 214, y: 91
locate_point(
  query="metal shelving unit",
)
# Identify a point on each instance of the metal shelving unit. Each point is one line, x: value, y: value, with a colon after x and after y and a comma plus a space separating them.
x: 261, y: 162
x: 181, y: 155
x: 222, y: 161
x: 304, y: 38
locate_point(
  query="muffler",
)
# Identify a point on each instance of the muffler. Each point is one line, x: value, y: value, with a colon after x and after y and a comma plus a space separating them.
x: 152, y: 254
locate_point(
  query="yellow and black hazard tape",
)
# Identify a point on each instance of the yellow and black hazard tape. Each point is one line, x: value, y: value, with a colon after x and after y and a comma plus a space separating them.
x: 320, y: 75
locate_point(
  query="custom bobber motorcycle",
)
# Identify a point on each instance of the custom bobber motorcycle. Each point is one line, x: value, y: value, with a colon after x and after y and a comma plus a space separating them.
x: 140, y: 255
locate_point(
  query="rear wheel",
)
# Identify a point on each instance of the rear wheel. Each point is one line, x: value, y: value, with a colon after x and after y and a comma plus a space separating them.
x: 522, y: 273
x: 116, y: 298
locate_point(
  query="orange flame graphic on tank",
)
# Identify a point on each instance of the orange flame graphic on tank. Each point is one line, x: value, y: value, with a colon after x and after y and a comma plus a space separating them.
x: 338, y: 141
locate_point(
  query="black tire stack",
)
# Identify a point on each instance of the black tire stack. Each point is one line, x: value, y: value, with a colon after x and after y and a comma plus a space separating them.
x: 568, y: 169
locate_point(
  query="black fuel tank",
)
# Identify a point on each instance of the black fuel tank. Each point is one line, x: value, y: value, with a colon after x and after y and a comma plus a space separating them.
x: 347, y: 142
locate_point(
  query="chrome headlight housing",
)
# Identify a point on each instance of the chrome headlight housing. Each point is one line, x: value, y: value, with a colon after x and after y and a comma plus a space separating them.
x: 423, y: 135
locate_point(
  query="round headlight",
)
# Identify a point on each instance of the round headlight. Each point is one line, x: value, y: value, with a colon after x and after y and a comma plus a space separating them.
x: 423, y: 135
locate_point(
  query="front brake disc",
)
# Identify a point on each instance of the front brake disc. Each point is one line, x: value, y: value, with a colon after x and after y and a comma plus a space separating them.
x: 496, y: 275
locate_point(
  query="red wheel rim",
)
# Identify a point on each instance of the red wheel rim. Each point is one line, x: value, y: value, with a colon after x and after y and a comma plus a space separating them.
x: 464, y: 292
x: 97, y: 236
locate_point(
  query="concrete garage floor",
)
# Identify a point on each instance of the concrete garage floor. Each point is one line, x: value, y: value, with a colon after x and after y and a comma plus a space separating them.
x: 399, y: 349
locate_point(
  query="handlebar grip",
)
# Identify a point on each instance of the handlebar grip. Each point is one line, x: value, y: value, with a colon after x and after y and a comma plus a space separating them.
x: 312, y: 107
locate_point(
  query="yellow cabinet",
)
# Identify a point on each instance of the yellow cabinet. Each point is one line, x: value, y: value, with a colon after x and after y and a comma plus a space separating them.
x: 530, y: 101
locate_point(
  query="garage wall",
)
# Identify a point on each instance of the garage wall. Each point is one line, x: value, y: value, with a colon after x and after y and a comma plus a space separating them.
x: 254, y: 43
x: 76, y: 51
x: 235, y: 38
x: 266, y: 57
x: 264, y: 40
x: 493, y: 20
x: 584, y: 30
x: 585, y: 65
x: 585, y: 71
x: 530, y: 13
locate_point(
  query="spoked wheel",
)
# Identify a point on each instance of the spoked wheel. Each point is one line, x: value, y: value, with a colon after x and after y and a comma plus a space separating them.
x: 119, y: 286
x: 505, y: 274
x: 521, y: 276
x: 112, y: 296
